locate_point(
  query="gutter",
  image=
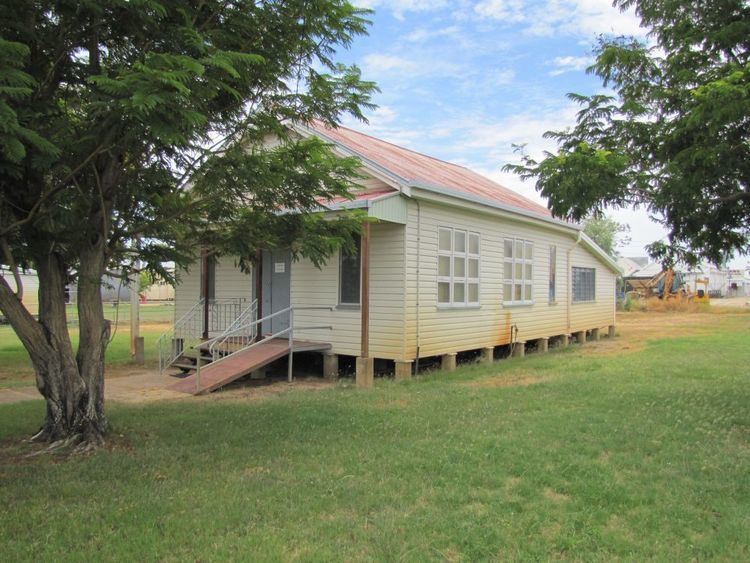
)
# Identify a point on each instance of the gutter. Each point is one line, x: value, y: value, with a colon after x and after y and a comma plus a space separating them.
x: 496, y: 205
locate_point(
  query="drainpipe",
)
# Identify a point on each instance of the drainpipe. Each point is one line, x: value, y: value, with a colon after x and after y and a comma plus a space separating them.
x: 419, y: 245
x: 570, y: 276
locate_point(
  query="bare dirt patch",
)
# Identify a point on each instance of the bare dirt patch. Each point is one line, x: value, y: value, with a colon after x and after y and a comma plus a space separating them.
x: 257, y: 389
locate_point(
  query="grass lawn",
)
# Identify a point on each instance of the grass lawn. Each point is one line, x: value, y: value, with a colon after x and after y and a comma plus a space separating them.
x: 615, y: 451
x: 15, y: 367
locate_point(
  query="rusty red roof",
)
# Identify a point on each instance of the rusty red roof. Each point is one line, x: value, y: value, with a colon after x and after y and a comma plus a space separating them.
x: 361, y: 196
x: 417, y: 168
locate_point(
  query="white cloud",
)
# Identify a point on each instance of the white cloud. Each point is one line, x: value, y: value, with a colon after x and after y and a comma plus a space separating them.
x: 381, y: 116
x: 400, y: 7
x: 422, y: 34
x: 554, y: 17
x: 375, y: 66
x: 378, y: 63
x: 569, y: 63
x: 506, y: 10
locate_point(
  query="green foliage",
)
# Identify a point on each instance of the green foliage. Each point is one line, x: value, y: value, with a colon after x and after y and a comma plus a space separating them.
x: 607, y: 233
x: 144, y: 124
x: 145, y: 281
x: 674, y: 139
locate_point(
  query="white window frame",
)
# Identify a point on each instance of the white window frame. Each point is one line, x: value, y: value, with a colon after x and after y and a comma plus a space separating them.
x: 525, y: 281
x: 452, y: 280
x: 573, y: 285
x: 552, y: 287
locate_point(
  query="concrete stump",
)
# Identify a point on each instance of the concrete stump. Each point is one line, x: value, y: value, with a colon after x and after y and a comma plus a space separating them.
x: 519, y: 349
x: 563, y: 341
x: 595, y: 335
x: 403, y: 369
x: 488, y: 355
x: 611, y: 331
x: 542, y: 345
x: 580, y: 336
x: 448, y: 362
x: 140, y: 353
x: 365, y: 372
x: 331, y: 366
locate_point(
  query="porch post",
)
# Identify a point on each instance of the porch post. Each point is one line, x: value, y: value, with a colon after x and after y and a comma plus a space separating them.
x: 364, y: 362
x: 204, y: 290
x: 258, y: 269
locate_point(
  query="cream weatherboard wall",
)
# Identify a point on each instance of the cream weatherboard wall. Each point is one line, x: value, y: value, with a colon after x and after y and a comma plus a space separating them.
x: 231, y: 282
x: 319, y: 288
x: 590, y: 314
x: 443, y: 329
x: 403, y: 278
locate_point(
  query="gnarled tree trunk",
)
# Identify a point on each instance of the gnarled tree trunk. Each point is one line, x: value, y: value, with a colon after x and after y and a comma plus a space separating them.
x: 71, y: 384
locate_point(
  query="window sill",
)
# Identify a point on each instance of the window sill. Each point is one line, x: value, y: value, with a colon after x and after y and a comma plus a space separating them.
x: 347, y: 307
x: 460, y: 307
x: 552, y: 303
x: 511, y: 304
x: 587, y: 302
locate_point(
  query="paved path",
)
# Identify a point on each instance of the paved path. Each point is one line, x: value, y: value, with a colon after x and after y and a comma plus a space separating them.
x: 137, y: 388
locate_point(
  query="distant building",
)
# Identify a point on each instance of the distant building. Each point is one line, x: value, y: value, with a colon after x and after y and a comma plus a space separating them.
x: 722, y: 282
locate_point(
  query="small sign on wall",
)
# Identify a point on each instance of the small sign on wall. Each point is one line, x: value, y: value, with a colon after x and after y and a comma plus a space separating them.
x: 279, y: 267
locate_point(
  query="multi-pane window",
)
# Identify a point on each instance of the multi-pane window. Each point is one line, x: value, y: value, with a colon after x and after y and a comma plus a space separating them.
x: 350, y: 278
x: 458, y: 267
x: 518, y: 271
x: 552, y: 273
x: 584, y: 284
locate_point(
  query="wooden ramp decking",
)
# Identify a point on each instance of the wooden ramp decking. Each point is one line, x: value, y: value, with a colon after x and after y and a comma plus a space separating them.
x: 216, y: 375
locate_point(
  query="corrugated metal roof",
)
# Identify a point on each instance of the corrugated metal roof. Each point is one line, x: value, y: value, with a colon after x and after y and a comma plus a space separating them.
x: 417, y: 168
x: 363, y: 196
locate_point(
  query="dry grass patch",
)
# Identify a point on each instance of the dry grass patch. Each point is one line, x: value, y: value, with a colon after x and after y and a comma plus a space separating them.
x: 555, y: 496
x: 518, y: 379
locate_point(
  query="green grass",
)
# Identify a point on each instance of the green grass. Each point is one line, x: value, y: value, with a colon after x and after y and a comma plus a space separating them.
x: 571, y: 455
x: 15, y: 366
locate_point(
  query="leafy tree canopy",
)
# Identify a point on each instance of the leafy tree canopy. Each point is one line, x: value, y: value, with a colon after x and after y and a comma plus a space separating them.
x: 674, y: 137
x: 137, y: 130
x: 607, y: 233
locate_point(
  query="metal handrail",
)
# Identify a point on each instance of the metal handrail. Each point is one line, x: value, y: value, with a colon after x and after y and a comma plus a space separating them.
x: 176, y: 347
x: 217, y: 357
x: 216, y: 354
x: 188, y: 329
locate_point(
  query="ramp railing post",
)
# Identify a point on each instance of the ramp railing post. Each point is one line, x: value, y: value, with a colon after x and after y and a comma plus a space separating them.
x: 291, y: 343
x: 198, y: 372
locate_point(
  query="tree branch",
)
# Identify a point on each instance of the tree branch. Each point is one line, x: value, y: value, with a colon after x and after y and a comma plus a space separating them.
x: 731, y: 198
x: 52, y: 192
x: 8, y: 255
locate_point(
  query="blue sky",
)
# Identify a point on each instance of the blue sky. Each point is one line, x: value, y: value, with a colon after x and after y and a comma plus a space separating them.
x: 463, y: 80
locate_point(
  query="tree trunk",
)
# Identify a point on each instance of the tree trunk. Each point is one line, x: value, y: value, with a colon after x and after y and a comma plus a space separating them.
x: 94, y: 337
x: 72, y: 385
